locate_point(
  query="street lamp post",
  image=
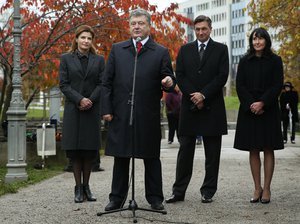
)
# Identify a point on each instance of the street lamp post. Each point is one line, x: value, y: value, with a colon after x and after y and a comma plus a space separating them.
x: 16, y: 114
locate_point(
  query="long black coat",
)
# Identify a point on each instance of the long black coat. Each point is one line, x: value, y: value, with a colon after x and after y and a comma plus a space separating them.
x: 153, y: 64
x: 259, y: 79
x: 209, y: 77
x: 81, y: 129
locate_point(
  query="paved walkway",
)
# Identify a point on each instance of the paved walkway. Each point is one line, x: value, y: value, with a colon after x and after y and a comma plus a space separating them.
x: 52, y: 200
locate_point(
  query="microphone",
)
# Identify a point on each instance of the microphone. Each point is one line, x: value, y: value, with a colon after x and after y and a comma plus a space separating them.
x: 138, y: 39
x: 132, y: 93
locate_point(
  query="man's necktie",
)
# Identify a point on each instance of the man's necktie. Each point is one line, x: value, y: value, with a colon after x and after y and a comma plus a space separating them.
x: 201, y: 51
x: 139, y: 46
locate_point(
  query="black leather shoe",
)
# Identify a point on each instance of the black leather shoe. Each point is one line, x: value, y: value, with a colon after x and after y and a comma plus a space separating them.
x: 174, y: 198
x: 205, y: 199
x: 113, y: 205
x: 157, y: 206
x: 78, y: 194
x: 88, y: 194
x: 98, y: 169
x: 256, y: 200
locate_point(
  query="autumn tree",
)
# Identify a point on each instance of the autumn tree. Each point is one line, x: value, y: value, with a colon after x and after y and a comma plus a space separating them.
x: 48, y: 27
x: 284, y: 16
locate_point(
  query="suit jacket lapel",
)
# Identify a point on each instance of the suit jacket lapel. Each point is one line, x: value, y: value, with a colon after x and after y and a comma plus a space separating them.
x: 92, y: 58
x: 195, y: 53
x: 78, y: 64
x: 207, y: 52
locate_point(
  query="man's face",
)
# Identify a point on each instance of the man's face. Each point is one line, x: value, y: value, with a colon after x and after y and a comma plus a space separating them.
x: 139, y: 27
x: 202, y: 31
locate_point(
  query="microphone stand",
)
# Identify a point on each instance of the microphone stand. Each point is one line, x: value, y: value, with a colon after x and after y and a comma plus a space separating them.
x: 132, y: 203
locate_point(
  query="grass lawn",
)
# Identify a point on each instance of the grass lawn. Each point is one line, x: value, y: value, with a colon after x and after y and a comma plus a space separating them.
x: 232, y: 102
x: 34, y: 176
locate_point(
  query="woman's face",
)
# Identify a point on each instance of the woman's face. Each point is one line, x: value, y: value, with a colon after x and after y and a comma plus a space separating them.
x: 84, y: 41
x: 259, y: 43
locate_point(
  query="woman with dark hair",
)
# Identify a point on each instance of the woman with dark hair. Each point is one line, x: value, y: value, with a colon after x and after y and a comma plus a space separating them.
x: 80, y: 78
x: 258, y: 83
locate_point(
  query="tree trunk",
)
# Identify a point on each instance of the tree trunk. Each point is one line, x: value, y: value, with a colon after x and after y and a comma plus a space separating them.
x: 6, y: 72
x: 7, y: 100
x: 31, y: 97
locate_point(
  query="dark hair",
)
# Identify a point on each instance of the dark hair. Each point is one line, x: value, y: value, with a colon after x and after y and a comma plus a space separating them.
x: 202, y: 18
x: 79, y: 30
x: 262, y: 33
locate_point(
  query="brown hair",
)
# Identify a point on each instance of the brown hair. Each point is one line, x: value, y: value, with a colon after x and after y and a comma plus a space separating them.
x: 203, y: 18
x: 79, y: 30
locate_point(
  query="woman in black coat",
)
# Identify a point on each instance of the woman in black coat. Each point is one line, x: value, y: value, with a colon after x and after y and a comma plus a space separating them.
x: 289, y: 105
x: 80, y: 78
x: 258, y: 83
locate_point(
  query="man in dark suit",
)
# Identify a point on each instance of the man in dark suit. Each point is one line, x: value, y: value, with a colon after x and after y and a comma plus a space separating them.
x: 153, y: 73
x: 201, y: 72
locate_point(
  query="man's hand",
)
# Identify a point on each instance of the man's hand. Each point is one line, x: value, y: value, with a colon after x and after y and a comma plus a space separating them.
x: 197, y: 98
x: 257, y: 108
x: 167, y: 82
x: 85, y: 104
x: 107, y: 117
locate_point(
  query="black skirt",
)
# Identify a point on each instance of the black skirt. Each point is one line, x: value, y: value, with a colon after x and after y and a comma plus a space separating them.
x: 86, y: 154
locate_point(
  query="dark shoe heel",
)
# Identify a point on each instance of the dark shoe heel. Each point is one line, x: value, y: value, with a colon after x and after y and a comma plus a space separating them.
x: 265, y: 200
x: 78, y: 194
x: 88, y: 194
x: 256, y: 200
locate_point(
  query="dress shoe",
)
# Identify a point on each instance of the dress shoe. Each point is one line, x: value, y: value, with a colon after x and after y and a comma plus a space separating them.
x: 68, y: 168
x: 256, y: 200
x: 174, y: 198
x: 78, y: 194
x: 113, y: 205
x: 97, y: 169
x: 88, y: 194
x: 157, y: 206
x: 265, y: 200
x: 205, y: 199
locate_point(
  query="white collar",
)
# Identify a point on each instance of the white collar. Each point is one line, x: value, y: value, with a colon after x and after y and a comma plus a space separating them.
x: 199, y: 43
x: 144, y: 41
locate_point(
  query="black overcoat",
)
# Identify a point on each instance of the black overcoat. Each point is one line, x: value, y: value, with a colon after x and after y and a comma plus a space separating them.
x: 209, y: 78
x: 81, y: 129
x: 153, y: 64
x: 259, y: 79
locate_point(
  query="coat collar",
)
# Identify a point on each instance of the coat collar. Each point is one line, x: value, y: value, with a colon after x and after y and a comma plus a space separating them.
x: 78, y: 64
x: 207, y: 53
x: 150, y: 45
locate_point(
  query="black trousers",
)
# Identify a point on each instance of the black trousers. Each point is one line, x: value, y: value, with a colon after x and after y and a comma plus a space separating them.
x: 153, y: 180
x: 185, y: 159
x: 286, y: 124
x: 173, y: 126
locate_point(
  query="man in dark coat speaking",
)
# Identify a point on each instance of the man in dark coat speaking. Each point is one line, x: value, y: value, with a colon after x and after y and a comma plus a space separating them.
x: 153, y: 74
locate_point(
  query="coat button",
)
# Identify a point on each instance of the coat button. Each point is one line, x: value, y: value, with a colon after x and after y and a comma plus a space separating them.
x: 199, y: 72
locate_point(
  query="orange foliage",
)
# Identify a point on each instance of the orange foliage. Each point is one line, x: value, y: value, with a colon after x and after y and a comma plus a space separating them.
x: 47, y: 31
